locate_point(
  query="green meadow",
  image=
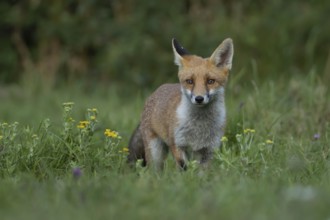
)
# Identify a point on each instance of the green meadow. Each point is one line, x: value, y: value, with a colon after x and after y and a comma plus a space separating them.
x: 58, y: 160
x: 73, y: 80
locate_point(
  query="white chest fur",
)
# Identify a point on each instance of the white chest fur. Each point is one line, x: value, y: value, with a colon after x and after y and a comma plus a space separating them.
x: 200, y: 126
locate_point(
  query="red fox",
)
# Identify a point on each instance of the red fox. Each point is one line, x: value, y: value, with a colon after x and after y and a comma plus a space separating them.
x: 187, y: 118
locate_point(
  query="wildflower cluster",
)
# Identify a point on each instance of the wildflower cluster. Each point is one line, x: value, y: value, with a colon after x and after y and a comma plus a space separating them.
x: 244, y: 150
x: 8, y: 132
x: 245, y: 140
x: 85, y: 138
x: 68, y: 120
x: 24, y: 148
x: 112, y: 138
x: 87, y: 127
x: 13, y: 152
x: 67, y: 106
x: 91, y: 120
x: 92, y: 115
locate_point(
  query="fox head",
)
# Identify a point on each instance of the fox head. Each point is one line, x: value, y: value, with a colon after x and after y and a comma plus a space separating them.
x: 203, y: 79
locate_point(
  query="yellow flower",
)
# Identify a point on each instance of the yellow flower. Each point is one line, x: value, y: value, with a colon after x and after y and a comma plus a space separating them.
x: 1, y: 137
x: 224, y: 139
x: 93, y: 117
x: 112, y: 134
x: 125, y: 150
x: 83, y: 124
x: 94, y: 109
x: 269, y: 142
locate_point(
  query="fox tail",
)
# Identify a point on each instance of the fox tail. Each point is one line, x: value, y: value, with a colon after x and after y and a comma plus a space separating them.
x: 136, y: 148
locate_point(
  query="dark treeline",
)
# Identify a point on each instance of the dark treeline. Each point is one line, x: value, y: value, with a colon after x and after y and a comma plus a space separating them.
x: 130, y: 41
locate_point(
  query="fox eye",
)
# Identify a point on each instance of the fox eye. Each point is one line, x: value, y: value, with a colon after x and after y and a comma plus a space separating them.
x: 210, y: 81
x: 189, y: 81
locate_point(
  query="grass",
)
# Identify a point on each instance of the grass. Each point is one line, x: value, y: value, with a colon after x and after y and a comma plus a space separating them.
x: 274, y: 163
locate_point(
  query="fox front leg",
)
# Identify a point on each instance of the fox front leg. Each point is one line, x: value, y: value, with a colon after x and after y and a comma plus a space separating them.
x: 205, y: 155
x: 180, y: 157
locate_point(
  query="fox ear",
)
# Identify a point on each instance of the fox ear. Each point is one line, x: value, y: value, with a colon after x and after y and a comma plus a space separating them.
x: 179, y: 52
x: 223, y: 55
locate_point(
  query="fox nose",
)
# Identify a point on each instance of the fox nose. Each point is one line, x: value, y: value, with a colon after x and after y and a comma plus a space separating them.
x: 199, y: 99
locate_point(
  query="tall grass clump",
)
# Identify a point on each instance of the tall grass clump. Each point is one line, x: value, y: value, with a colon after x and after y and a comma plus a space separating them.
x: 54, y: 151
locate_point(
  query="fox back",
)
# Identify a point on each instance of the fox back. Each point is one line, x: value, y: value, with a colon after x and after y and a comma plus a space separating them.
x: 187, y: 118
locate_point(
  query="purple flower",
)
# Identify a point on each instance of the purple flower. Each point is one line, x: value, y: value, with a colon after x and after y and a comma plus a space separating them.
x: 316, y: 136
x: 76, y: 173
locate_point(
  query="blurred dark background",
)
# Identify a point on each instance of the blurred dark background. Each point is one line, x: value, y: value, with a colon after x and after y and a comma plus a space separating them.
x: 60, y: 42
